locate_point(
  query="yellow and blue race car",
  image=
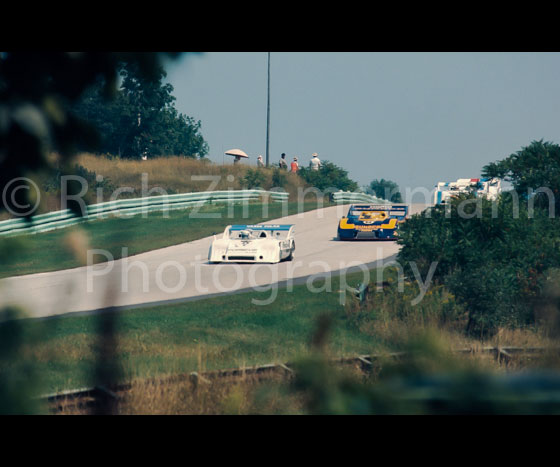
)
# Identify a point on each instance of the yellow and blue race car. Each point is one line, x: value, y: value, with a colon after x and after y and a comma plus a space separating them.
x: 372, y: 222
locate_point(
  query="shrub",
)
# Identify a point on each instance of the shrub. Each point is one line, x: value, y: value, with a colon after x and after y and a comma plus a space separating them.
x: 253, y: 178
x: 494, y: 262
x: 385, y: 189
x: 327, y: 177
x: 279, y: 178
x: 53, y: 184
x: 389, y: 304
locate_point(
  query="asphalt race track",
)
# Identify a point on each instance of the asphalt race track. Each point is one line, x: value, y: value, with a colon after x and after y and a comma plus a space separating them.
x: 182, y: 272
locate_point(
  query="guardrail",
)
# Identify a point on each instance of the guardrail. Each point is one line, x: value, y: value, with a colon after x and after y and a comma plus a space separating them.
x: 130, y: 207
x: 346, y: 197
x: 90, y: 397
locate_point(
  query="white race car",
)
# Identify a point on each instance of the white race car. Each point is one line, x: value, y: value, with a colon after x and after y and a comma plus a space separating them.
x: 267, y: 243
x: 487, y: 187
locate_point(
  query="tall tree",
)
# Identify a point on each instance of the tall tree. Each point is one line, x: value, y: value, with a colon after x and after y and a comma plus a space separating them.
x: 533, y: 169
x: 385, y: 189
x: 142, y: 119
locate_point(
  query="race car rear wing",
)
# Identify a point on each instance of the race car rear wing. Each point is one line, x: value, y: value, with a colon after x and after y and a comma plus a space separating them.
x: 289, y: 228
x: 400, y: 211
x: 261, y: 227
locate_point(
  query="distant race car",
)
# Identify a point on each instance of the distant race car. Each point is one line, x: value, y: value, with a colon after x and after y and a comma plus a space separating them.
x: 486, y: 187
x: 372, y: 221
x: 263, y: 243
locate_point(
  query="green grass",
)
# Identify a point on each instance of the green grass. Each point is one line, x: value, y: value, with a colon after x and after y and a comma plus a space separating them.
x: 221, y: 332
x: 49, y: 251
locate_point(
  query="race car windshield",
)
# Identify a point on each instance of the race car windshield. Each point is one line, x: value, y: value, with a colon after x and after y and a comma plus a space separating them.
x: 243, y: 234
x: 370, y: 214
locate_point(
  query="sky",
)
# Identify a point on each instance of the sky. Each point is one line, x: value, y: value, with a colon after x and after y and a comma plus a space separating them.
x: 415, y: 118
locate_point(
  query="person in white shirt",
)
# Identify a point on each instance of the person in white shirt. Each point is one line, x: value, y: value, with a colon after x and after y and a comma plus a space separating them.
x: 315, y: 162
x: 260, y: 162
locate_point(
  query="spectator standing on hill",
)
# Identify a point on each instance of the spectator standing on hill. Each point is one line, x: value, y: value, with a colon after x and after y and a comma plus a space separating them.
x: 260, y: 162
x: 315, y: 162
x: 283, y: 164
x: 295, y: 165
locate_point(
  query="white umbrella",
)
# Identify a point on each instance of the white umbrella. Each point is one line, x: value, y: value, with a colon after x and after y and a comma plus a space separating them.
x: 236, y: 152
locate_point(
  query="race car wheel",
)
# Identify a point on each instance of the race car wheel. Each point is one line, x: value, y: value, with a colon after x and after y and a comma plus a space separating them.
x: 291, y: 257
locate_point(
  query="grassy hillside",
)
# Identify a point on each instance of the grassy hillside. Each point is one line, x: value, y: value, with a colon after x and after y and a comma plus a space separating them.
x: 174, y: 174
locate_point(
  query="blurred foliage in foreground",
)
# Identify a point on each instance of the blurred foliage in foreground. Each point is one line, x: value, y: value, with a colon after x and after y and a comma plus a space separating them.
x: 18, y: 378
x: 37, y: 90
x: 426, y: 380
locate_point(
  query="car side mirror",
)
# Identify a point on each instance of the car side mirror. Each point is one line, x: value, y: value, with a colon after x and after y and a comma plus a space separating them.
x: 344, y: 217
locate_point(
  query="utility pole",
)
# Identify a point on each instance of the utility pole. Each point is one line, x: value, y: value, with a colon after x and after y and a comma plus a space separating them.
x: 268, y: 116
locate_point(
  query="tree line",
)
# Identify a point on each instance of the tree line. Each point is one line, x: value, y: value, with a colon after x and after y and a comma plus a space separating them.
x: 139, y: 119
